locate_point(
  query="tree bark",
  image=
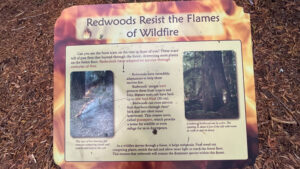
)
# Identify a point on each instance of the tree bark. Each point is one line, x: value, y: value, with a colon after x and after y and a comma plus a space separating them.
x: 230, y: 72
x: 214, y: 83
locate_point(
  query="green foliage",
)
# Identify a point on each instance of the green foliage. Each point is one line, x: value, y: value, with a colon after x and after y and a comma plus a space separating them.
x: 192, y: 62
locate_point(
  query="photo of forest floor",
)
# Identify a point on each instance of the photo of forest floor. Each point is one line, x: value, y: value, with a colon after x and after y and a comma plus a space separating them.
x: 210, y: 85
x: 92, y: 115
x: 26, y: 82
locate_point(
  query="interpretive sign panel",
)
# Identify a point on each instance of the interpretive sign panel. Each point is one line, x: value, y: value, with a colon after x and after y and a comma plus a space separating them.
x: 158, y: 82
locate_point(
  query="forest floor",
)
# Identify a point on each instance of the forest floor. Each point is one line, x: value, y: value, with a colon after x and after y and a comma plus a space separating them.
x: 194, y: 110
x: 97, y: 116
x: 26, y: 80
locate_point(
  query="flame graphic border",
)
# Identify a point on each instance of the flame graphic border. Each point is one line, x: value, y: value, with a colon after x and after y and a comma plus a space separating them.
x: 236, y: 25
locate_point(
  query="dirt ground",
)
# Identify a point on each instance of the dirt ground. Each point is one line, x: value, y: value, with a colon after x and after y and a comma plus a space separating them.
x: 93, y: 121
x: 26, y: 80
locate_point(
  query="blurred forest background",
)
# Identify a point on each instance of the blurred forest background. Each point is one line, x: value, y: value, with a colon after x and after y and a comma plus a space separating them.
x: 210, y: 84
x: 81, y: 82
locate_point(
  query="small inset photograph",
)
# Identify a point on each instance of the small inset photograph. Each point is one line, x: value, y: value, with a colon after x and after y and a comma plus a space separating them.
x: 210, y: 85
x: 92, y: 104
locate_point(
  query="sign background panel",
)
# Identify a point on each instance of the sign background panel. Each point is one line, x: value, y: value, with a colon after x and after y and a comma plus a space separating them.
x: 236, y: 26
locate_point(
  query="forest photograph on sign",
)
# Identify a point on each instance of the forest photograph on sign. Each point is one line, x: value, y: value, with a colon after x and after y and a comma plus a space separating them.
x: 210, y: 85
x: 92, y: 110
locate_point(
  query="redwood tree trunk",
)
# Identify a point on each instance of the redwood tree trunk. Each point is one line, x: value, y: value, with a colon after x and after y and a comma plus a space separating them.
x: 214, y: 83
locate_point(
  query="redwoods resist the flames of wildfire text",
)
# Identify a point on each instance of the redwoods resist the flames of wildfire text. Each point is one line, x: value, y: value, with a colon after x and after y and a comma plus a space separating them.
x: 152, y: 20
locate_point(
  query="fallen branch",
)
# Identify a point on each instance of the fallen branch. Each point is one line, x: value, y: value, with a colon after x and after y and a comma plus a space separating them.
x: 283, y: 121
x: 16, y: 29
x: 19, y: 14
x: 33, y: 16
x: 286, y: 107
x: 263, y: 123
x: 28, y: 17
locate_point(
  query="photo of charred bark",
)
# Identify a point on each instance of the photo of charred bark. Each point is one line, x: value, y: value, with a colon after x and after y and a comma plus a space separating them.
x: 92, y: 104
x: 210, y: 85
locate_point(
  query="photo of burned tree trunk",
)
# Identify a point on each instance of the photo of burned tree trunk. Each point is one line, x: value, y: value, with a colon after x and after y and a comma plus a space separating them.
x: 210, y: 85
x: 92, y: 104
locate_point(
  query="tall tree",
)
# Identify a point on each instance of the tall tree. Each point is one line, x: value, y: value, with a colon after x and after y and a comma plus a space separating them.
x: 229, y: 69
x: 214, y: 84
